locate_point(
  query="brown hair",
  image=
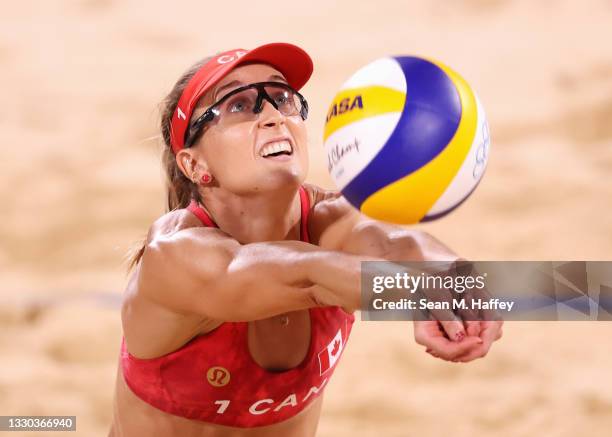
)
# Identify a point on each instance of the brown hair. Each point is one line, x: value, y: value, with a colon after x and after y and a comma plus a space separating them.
x: 180, y: 190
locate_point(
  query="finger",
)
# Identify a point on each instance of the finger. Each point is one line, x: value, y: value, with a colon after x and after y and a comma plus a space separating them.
x: 478, y: 352
x: 488, y: 314
x: 491, y: 331
x: 489, y: 334
x: 424, y: 330
x: 466, y: 268
x: 442, y: 302
x: 472, y: 328
x: 454, y: 329
x: 449, y: 350
x: 432, y: 353
x: 466, y: 312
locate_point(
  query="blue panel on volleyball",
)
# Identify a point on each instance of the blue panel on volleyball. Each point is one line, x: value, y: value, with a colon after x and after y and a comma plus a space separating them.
x: 427, y: 124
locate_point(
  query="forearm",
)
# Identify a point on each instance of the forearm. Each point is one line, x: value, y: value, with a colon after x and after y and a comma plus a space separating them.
x: 394, y: 243
x: 315, y: 276
x: 221, y: 279
x: 326, y: 277
x: 339, y: 275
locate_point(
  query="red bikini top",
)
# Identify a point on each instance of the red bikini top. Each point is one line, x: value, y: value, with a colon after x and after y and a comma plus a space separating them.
x: 213, y: 377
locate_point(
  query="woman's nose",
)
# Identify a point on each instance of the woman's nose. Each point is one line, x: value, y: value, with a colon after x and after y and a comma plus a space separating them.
x: 270, y: 116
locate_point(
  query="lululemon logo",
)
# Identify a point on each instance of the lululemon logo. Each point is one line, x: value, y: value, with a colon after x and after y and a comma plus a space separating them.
x: 218, y: 376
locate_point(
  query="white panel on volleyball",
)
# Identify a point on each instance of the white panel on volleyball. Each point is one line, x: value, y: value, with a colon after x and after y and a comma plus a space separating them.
x: 382, y: 72
x: 351, y: 148
x: 472, y: 168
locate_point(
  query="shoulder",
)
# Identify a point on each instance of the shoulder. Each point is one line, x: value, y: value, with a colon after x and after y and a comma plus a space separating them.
x: 178, y: 242
x: 318, y: 194
x: 328, y: 203
x: 172, y: 223
x: 181, y: 230
x: 179, y: 225
x: 178, y: 256
x: 329, y: 211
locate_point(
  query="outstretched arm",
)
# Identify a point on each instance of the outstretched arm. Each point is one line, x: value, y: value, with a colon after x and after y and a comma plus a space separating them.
x: 341, y: 227
x: 203, y: 271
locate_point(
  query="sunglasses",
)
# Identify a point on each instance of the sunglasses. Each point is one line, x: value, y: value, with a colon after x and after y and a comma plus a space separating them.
x: 245, y: 104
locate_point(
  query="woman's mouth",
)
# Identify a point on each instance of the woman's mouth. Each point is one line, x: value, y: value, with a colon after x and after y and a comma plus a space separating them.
x: 277, y: 149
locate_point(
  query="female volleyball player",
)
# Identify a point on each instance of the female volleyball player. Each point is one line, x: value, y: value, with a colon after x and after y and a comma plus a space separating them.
x: 242, y: 298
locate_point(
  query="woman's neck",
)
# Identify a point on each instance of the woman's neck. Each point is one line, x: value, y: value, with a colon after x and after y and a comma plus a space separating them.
x: 265, y: 216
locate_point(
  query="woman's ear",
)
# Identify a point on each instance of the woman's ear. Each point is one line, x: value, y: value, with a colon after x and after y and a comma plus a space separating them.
x: 186, y: 162
x: 191, y: 164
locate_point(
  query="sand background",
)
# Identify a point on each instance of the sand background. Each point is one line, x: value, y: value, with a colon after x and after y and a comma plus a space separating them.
x: 81, y: 182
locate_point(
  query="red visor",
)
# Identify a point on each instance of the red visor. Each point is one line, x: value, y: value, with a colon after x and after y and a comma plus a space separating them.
x: 293, y: 62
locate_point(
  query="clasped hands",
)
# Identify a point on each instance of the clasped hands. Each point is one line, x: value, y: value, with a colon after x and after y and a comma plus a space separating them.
x: 457, y: 341
x: 461, y: 337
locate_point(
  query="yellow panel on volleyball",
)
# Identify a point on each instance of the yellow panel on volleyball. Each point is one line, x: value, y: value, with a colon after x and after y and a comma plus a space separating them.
x: 356, y: 104
x: 424, y: 186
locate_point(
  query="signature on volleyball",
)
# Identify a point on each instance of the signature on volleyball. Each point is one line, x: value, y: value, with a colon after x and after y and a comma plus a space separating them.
x: 482, y: 152
x: 335, y: 155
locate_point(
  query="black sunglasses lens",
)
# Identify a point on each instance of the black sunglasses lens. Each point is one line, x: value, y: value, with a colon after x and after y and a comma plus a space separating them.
x: 238, y: 104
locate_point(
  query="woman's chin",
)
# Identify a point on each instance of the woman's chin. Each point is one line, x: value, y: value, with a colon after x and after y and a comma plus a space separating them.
x: 281, y: 180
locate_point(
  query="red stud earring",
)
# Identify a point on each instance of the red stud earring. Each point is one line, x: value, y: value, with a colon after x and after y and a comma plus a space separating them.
x: 206, y: 178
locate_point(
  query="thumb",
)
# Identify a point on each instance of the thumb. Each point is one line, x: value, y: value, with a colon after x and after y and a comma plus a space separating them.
x: 473, y: 328
x: 449, y: 350
x: 454, y: 329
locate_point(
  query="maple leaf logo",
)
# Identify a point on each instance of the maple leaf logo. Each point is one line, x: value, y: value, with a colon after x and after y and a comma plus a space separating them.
x: 334, y: 351
x: 331, y: 353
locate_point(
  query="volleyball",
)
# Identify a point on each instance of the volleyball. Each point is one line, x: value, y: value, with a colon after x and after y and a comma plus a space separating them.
x: 407, y: 139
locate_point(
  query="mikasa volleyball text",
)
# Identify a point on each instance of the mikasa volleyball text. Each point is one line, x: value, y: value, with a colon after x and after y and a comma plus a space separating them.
x: 345, y: 105
x: 334, y: 156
